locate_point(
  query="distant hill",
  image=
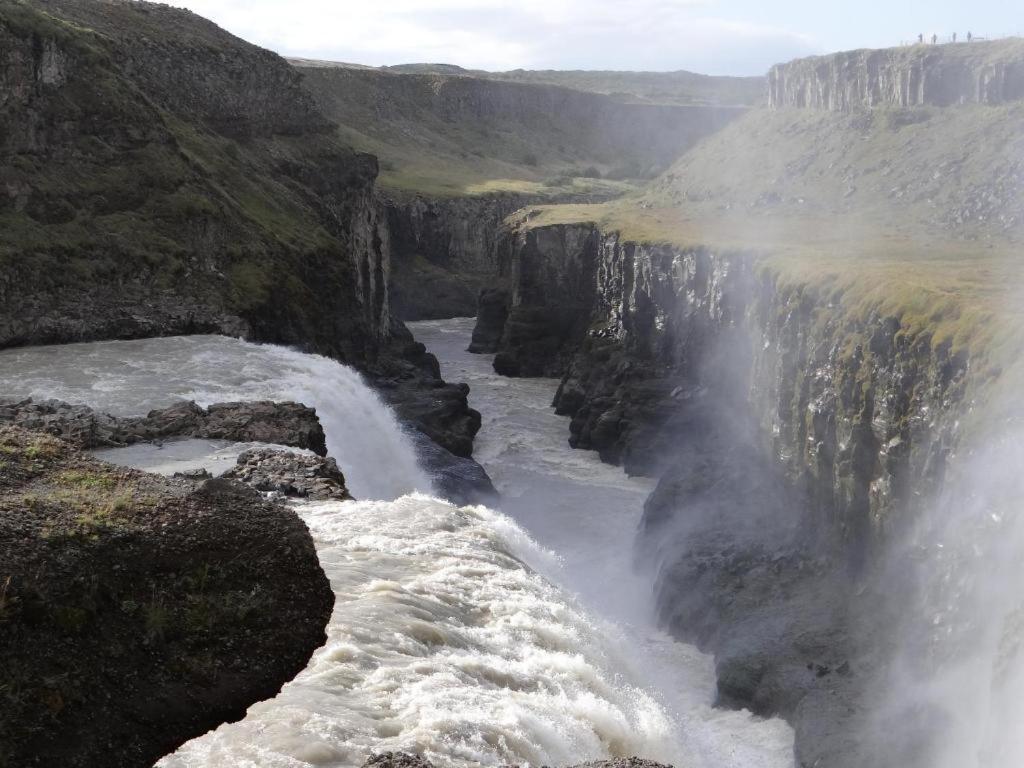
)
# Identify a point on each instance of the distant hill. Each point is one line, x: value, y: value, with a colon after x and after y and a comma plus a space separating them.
x: 679, y: 88
x: 455, y: 134
x: 919, y: 209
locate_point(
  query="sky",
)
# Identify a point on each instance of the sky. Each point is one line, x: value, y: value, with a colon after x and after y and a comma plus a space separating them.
x: 721, y: 37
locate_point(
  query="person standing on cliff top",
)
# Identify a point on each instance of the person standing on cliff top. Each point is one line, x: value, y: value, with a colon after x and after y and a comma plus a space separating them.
x: 954, y: 37
x: 935, y: 39
x: 969, y: 37
x: 920, y: 38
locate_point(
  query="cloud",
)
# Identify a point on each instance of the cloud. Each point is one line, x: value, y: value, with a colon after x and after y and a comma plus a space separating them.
x: 506, y: 34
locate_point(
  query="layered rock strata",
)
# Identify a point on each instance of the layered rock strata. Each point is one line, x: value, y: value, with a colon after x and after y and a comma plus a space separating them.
x: 939, y: 75
x: 793, y: 440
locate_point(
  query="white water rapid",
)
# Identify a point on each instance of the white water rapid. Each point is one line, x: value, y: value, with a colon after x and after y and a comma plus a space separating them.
x: 470, y: 635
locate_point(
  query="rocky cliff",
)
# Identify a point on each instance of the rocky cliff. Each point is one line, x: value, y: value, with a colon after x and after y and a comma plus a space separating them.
x: 793, y: 439
x: 162, y: 176
x: 442, y: 251
x: 459, y: 153
x: 138, y: 612
x: 937, y: 75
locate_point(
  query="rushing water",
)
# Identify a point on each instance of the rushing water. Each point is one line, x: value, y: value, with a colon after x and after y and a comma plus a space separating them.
x: 471, y: 635
x: 129, y: 378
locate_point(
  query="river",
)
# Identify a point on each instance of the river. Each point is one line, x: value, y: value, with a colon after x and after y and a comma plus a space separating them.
x: 518, y: 635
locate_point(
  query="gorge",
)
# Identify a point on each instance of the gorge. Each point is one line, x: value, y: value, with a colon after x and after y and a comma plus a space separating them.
x: 729, y: 477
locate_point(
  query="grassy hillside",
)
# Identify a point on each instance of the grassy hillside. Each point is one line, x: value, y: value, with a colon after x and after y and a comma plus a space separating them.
x: 679, y: 88
x: 441, y: 134
x: 916, y: 213
x: 161, y: 174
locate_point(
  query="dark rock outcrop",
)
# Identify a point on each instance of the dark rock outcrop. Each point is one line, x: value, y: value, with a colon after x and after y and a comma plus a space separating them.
x: 459, y: 480
x: 939, y: 75
x: 408, y: 760
x: 551, y: 275
x: 138, y: 612
x: 411, y: 383
x: 290, y: 475
x: 288, y: 424
x: 491, y: 315
x: 442, y: 252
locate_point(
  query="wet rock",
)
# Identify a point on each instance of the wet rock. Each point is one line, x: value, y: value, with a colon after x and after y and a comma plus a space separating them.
x: 290, y: 475
x: 409, y: 380
x: 288, y: 424
x: 459, y: 480
x: 491, y: 314
x: 407, y: 760
x: 138, y: 612
x: 397, y: 760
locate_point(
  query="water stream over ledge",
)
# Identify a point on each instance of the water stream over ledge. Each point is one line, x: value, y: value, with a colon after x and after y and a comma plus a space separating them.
x: 472, y: 635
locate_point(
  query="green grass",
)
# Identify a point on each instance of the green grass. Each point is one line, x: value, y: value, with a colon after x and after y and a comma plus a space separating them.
x: 865, y: 209
x: 674, y: 88
x: 450, y: 136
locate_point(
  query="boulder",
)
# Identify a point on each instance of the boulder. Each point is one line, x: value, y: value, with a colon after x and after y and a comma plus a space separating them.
x: 289, y: 475
x: 138, y: 612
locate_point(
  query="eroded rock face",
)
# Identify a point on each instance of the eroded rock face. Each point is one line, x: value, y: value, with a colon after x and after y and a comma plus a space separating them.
x: 442, y: 252
x: 792, y: 442
x: 289, y: 424
x: 138, y: 612
x: 939, y: 75
x: 408, y: 760
x: 550, y: 271
x: 288, y: 475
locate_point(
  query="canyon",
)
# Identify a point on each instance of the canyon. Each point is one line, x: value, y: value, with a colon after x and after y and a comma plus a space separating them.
x: 799, y: 318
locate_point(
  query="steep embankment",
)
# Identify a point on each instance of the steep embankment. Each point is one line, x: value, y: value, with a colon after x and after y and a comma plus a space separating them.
x: 163, y: 177
x: 459, y: 153
x: 968, y: 73
x: 461, y: 135
x: 635, y: 87
x: 798, y: 361
x: 128, y: 622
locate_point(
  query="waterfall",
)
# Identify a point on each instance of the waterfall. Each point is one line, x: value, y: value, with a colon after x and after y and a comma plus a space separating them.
x: 454, y: 632
x: 443, y: 642
x: 133, y: 377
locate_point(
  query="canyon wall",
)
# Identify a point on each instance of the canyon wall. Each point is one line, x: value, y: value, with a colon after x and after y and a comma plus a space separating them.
x: 939, y: 75
x: 150, y: 188
x: 793, y: 440
x: 161, y: 176
x: 474, y: 121
x: 442, y: 251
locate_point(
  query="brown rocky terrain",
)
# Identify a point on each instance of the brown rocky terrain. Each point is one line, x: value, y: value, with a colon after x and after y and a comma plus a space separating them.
x: 289, y: 424
x: 137, y: 612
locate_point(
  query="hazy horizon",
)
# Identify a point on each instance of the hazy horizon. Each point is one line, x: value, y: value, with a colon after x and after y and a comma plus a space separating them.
x: 716, y: 37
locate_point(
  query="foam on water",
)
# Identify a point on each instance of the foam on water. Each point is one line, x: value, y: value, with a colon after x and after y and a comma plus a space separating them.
x: 455, y: 633
x: 443, y: 641
x: 134, y: 377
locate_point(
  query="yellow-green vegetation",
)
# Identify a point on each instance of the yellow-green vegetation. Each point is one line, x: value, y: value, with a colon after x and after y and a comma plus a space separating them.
x: 422, y: 154
x: 129, y: 189
x: 910, y: 213
x: 447, y: 135
x: 677, y: 88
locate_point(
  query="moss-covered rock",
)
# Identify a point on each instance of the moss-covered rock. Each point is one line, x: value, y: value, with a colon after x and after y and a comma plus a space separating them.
x: 138, y: 612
